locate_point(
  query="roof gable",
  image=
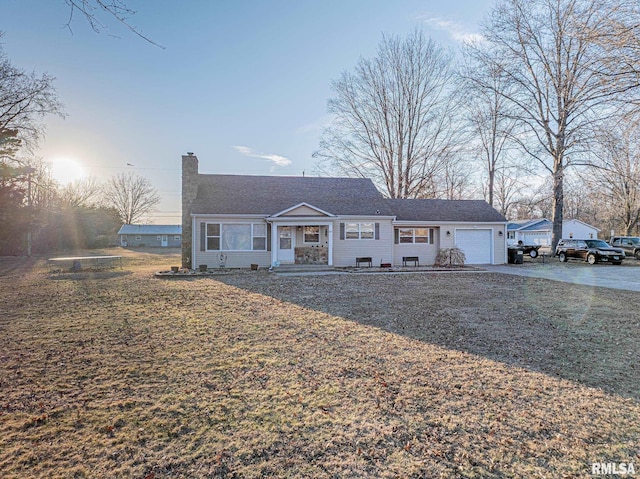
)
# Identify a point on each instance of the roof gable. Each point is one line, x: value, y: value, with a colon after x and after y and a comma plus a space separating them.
x: 583, y: 224
x: 528, y: 224
x: 303, y: 209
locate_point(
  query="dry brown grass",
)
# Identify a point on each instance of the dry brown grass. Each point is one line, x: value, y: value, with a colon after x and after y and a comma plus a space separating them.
x: 247, y: 375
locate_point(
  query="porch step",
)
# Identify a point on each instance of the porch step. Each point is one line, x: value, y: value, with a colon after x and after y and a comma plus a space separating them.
x: 302, y: 268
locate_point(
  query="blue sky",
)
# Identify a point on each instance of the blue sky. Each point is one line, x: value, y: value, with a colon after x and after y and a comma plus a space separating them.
x: 242, y: 84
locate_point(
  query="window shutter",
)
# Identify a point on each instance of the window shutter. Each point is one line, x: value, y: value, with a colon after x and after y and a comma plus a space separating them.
x: 268, y: 236
x: 377, y: 226
x: 431, y: 235
x: 396, y: 236
x: 203, y: 236
x: 341, y: 231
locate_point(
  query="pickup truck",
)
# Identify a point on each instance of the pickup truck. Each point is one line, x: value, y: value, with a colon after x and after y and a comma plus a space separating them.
x: 630, y: 244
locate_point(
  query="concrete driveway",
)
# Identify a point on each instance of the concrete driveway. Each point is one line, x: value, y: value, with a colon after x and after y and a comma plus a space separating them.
x: 625, y: 276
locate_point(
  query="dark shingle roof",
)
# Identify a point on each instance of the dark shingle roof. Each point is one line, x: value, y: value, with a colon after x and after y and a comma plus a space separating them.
x: 531, y: 225
x: 444, y: 210
x: 268, y: 195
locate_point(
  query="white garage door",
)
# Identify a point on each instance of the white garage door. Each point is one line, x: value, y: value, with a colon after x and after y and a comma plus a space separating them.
x: 476, y: 245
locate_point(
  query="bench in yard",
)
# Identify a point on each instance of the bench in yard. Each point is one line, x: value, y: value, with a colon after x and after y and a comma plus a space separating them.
x: 410, y: 259
x: 364, y: 259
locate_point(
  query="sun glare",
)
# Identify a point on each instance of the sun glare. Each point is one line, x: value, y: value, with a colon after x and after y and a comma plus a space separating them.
x: 66, y: 170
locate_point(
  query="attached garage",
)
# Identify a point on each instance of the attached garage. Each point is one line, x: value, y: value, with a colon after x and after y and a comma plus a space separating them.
x: 476, y: 245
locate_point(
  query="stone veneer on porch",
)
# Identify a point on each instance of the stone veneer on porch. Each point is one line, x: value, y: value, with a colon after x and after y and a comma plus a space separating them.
x: 311, y: 255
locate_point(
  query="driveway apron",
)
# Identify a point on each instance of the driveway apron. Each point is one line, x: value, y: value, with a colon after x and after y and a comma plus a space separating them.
x: 601, y: 275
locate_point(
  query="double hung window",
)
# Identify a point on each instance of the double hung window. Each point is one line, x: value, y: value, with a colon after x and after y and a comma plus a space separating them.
x: 414, y: 236
x: 359, y: 230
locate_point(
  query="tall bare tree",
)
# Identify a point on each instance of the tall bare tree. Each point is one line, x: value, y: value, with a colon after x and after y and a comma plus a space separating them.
x: 393, y: 117
x: 618, y: 38
x: 131, y: 195
x: 490, y: 125
x: 617, y: 176
x: 556, y: 85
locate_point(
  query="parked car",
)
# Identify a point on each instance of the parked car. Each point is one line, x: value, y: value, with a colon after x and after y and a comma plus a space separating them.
x: 592, y: 250
x: 630, y: 244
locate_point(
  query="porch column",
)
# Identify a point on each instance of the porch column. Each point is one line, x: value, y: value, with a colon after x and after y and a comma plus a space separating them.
x: 330, y: 245
x: 274, y: 244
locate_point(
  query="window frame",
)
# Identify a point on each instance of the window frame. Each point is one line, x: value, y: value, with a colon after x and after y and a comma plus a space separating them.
x: 359, y: 232
x: 304, y: 234
x: 221, y: 231
x: 428, y: 239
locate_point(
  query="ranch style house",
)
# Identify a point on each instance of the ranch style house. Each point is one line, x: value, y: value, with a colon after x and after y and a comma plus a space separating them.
x: 236, y: 221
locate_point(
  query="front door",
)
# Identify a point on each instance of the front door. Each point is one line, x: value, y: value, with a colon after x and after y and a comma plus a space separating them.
x: 286, y: 240
x: 165, y: 240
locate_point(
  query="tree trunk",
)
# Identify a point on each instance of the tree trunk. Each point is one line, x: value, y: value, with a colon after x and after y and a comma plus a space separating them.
x: 558, y: 205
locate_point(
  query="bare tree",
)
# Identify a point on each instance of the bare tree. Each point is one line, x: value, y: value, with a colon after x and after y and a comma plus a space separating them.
x: 131, y: 195
x: 118, y: 9
x: 534, y: 201
x: 618, y: 176
x: 81, y: 193
x: 393, y: 117
x: 453, y: 182
x: 555, y: 86
x: 490, y: 125
x: 618, y: 38
x: 506, y: 186
x: 25, y: 98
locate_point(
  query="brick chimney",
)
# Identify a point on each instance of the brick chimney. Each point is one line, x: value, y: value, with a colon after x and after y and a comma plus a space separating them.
x: 189, y: 192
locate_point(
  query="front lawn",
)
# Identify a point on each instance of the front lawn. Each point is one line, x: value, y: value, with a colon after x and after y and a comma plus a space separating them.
x: 248, y: 375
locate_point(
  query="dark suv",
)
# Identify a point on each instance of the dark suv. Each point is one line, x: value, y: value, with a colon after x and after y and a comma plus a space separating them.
x: 630, y: 244
x: 593, y: 250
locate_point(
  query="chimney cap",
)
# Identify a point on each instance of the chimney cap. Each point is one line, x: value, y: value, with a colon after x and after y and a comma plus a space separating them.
x: 190, y: 153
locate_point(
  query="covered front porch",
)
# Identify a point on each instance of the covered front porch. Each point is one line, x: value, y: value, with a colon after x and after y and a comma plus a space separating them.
x: 301, y: 242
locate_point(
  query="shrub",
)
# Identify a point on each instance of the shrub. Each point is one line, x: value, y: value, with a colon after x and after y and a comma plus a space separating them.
x: 450, y: 257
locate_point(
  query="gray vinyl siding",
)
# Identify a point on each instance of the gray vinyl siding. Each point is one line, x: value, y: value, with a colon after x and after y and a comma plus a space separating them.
x: 346, y: 251
x: 232, y: 259
x: 425, y: 252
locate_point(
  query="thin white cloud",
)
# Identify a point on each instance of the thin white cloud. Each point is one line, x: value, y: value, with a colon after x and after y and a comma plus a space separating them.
x: 453, y: 29
x: 316, y: 126
x: 277, y: 160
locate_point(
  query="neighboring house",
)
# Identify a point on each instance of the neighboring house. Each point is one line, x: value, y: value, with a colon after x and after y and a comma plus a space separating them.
x: 538, y: 231
x: 151, y: 235
x: 237, y: 220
